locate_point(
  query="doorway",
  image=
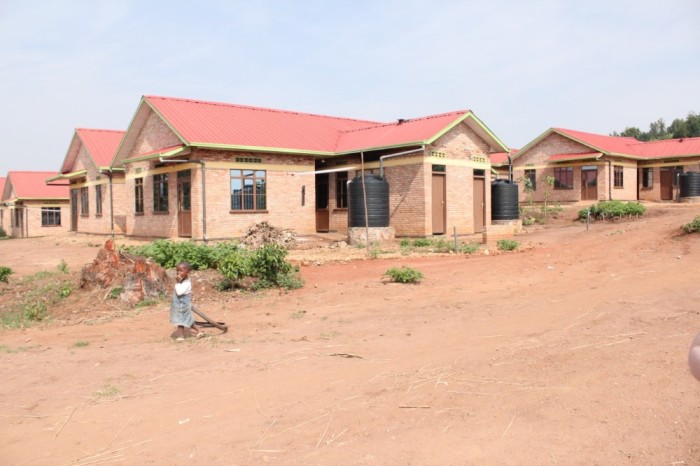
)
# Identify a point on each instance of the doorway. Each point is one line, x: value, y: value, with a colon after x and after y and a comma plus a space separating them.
x: 666, y: 184
x: 73, y: 210
x: 322, y: 212
x: 479, y: 204
x: 184, y: 204
x: 439, y: 198
x: 589, y: 183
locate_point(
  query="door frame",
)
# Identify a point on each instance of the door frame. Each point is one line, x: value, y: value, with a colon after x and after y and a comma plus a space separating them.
x: 439, y: 222
x: 74, y: 209
x: 479, y: 226
x: 666, y: 175
x: 585, y: 195
x: 322, y: 201
x: 184, y: 217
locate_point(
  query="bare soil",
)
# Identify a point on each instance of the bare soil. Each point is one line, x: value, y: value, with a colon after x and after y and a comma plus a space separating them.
x: 571, y: 351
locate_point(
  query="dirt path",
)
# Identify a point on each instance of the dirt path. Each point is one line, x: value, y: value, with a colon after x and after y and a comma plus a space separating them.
x: 570, y: 352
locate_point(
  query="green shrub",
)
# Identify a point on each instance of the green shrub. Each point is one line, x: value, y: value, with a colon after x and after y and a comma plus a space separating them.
x: 692, y: 227
x: 269, y: 266
x: 170, y: 253
x: 62, y: 266
x: 404, y: 275
x: 421, y: 242
x: 469, y: 248
x: 442, y: 245
x: 3, y: 233
x: 405, y: 243
x: 5, y: 272
x: 507, y: 245
x: 612, y: 209
x: 235, y: 265
x: 115, y: 292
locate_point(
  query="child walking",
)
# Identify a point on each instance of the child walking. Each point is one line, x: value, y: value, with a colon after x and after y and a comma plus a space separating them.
x: 181, y: 307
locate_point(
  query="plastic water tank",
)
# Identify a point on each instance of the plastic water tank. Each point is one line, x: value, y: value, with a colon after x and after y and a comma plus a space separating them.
x: 377, y: 189
x: 504, y: 200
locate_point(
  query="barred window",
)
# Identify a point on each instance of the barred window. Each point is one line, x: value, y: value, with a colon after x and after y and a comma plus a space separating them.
x: 619, y: 176
x: 50, y: 216
x: 531, y: 175
x: 138, y: 195
x: 647, y: 177
x: 341, y: 190
x: 248, y: 190
x: 160, y: 193
x: 84, y: 202
x: 564, y: 178
x: 98, y: 200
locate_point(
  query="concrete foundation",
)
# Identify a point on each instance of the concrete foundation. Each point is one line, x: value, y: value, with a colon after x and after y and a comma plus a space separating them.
x: 381, y: 235
x: 502, y: 229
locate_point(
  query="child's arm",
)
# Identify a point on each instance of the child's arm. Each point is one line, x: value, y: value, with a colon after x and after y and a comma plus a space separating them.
x: 183, y: 287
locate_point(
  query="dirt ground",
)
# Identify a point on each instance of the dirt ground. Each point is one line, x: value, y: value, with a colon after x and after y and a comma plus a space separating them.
x: 572, y: 351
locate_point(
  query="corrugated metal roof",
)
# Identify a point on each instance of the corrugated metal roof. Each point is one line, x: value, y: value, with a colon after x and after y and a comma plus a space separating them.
x: 683, y: 147
x: 32, y: 185
x: 2, y: 186
x: 614, y: 144
x: 500, y: 158
x: 577, y: 156
x: 102, y: 144
x: 216, y: 123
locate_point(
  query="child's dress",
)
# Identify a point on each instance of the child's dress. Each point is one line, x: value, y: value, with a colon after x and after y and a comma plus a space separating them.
x: 181, y: 307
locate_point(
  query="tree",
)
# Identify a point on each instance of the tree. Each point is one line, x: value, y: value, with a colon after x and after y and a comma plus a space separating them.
x: 678, y: 129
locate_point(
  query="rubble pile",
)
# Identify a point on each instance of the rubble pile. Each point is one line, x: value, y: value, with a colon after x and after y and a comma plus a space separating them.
x: 137, y: 277
x: 263, y: 233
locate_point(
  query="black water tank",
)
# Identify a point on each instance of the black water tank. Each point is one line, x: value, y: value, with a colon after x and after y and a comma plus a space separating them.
x: 690, y: 184
x: 377, y: 189
x: 504, y: 200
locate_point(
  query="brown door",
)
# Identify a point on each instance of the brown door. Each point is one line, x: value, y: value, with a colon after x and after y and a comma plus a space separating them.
x: 184, y: 205
x: 589, y: 184
x: 73, y: 210
x: 439, y: 204
x: 666, y: 185
x: 322, y: 213
x: 479, y: 204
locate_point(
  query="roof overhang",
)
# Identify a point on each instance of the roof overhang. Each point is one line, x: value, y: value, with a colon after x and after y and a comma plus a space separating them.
x: 68, y: 176
x: 573, y: 157
x: 160, y: 153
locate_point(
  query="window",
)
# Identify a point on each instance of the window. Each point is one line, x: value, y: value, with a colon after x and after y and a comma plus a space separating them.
x: 564, y: 178
x: 160, y: 193
x: 677, y: 172
x: 531, y: 179
x: 647, y: 177
x: 619, y: 176
x: 84, y: 202
x: 248, y: 190
x: 439, y: 169
x: 138, y: 195
x: 98, y: 201
x: 341, y: 190
x: 50, y: 216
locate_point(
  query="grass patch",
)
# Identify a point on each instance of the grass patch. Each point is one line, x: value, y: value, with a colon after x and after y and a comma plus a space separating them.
x: 469, y: 248
x: 693, y: 226
x: 5, y: 273
x: 115, y: 292
x: 298, y: 314
x: 81, y: 343
x: 403, y: 275
x: 41, y: 291
x: 507, y: 245
x: 107, y: 391
x: 62, y: 266
x: 608, y: 210
x: 147, y: 302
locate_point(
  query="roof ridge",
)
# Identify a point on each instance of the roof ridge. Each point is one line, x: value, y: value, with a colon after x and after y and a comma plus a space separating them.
x: 408, y: 120
x: 666, y: 140
x: 251, y: 107
x: 102, y: 129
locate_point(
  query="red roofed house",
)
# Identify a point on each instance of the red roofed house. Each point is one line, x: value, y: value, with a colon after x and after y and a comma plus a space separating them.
x: 209, y: 170
x: 594, y: 167
x: 3, y: 208
x: 97, y: 193
x: 35, y: 208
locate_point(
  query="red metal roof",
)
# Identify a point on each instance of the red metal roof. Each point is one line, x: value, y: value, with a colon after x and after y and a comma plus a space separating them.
x: 683, y: 147
x: 2, y: 186
x: 579, y: 156
x: 32, y: 185
x: 242, y: 126
x: 500, y: 158
x: 102, y: 144
x: 211, y: 123
x: 614, y: 144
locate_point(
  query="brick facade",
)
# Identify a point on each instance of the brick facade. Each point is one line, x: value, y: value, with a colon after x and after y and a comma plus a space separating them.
x: 30, y: 219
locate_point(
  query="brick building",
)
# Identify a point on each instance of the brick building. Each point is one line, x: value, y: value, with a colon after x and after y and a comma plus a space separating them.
x: 33, y: 207
x: 97, y: 195
x: 594, y: 167
x: 208, y: 170
x: 3, y: 208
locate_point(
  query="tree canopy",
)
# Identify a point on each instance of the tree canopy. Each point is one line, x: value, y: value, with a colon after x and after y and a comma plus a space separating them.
x: 679, y: 128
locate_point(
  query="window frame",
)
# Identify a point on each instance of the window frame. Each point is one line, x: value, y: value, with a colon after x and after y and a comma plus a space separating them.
x: 618, y: 176
x: 341, y: 190
x: 50, y: 216
x: 256, y: 199
x: 647, y: 177
x: 531, y: 174
x: 138, y: 196
x: 84, y: 202
x: 568, y: 175
x: 161, y: 194
x: 98, y: 200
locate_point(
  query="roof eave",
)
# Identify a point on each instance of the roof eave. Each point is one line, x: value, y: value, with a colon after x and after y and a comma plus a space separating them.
x: 475, y: 119
x: 157, y: 155
x: 391, y: 146
x: 281, y: 150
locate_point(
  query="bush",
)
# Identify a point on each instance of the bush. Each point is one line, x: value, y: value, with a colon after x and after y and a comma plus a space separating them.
x: 3, y: 233
x: 404, y: 275
x: 692, y: 227
x: 421, y: 242
x: 235, y: 266
x: 5, y: 272
x: 442, y: 245
x: 507, y: 245
x: 612, y: 209
x: 469, y: 248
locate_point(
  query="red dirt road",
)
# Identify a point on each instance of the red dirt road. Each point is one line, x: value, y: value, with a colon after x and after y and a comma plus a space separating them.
x: 572, y: 351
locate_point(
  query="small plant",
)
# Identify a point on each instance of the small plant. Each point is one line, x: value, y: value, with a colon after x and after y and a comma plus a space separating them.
x: 147, y: 302
x: 107, y: 391
x: 608, y: 210
x: 3, y: 233
x: 5, y: 272
x: 507, y: 245
x: 62, y: 266
x: 115, y: 292
x: 298, y: 314
x: 421, y: 242
x: 442, y: 245
x: 692, y: 227
x: 469, y: 248
x: 65, y: 290
x: 404, y: 275
x: 405, y: 243
x: 35, y: 311
x: 81, y: 343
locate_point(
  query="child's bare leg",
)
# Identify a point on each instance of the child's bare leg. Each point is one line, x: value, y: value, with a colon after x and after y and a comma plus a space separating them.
x: 197, y: 331
x: 181, y: 331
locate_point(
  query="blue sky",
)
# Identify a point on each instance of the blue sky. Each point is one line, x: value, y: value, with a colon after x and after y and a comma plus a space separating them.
x: 521, y: 66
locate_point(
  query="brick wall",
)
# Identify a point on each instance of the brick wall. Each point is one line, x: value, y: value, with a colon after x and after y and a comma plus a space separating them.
x: 31, y: 220
x: 154, y: 135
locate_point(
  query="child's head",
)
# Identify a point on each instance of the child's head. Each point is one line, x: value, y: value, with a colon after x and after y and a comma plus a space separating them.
x: 183, y: 269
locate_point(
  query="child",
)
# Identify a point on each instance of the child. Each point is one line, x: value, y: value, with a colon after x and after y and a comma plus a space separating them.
x: 181, y: 307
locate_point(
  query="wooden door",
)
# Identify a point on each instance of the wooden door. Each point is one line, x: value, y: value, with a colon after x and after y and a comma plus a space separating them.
x: 184, y: 206
x: 589, y: 184
x: 439, y: 204
x: 666, y: 185
x: 323, y: 219
x: 479, y: 205
x: 73, y: 210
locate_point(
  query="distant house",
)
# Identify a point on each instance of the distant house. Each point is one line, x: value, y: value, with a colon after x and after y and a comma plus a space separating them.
x: 97, y: 195
x: 35, y: 208
x: 3, y: 208
x: 593, y: 167
x: 207, y: 170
